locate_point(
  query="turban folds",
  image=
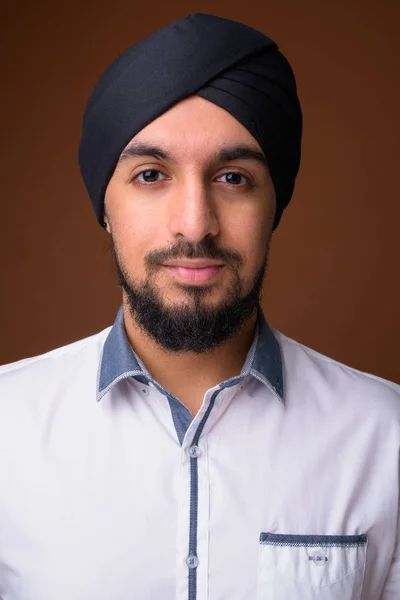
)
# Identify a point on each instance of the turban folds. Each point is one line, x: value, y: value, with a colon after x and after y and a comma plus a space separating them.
x: 230, y: 64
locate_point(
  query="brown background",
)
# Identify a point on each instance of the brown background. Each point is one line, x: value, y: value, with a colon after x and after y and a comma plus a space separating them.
x: 333, y: 281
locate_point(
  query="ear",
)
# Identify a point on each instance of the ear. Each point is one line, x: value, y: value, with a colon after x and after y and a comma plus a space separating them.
x: 106, y: 222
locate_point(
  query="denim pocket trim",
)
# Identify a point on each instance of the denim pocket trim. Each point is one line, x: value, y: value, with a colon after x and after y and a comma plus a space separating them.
x: 326, y: 541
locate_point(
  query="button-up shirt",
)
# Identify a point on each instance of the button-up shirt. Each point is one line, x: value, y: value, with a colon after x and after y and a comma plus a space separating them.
x: 284, y: 486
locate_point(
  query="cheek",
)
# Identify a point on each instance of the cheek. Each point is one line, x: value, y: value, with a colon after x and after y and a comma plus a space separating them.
x: 132, y: 219
x: 129, y: 211
x: 134, y: 227
x: 134, y: 238
x: 249, y: 235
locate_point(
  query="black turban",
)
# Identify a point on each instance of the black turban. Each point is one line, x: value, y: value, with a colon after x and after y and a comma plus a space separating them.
x: 228, y: 63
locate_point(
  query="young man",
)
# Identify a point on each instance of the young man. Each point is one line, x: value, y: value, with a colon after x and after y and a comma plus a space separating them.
x: 190, y: 452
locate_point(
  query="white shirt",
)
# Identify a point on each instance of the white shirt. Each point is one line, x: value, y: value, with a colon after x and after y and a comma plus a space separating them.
x: 285, y: 486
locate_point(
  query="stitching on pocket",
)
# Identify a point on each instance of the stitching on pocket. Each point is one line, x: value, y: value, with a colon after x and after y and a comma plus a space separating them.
x: 327, y: 541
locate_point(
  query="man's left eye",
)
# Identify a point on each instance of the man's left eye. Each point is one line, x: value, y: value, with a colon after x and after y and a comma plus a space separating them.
x: 234, y: 178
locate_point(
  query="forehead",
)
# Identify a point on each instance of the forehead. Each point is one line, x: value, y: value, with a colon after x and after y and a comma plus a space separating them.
x: 195, y: 125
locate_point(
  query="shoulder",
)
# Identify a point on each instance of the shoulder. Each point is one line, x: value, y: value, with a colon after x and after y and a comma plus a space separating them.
x: 34, y: 391
x: 314, y: 372
x: 54, y: 365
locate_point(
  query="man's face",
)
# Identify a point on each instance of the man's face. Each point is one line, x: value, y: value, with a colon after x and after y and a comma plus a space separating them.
x: 174, y: 196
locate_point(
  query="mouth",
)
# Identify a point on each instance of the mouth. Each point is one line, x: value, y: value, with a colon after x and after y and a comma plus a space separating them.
x: 195, y: 275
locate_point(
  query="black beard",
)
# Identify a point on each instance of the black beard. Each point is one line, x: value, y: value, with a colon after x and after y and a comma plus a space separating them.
x: 193, y: 327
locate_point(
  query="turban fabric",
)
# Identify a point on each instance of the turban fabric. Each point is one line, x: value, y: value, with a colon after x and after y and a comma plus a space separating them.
x: 230, y: 64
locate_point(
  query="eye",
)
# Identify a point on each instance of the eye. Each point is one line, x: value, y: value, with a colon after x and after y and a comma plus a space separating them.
x: 148, y: 176
x: 235, y: 178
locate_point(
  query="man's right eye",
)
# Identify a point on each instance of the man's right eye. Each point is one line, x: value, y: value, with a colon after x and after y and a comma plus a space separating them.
x: 148, y: 176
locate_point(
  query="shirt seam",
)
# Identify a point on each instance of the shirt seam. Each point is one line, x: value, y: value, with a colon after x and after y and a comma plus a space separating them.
x: 323, y: 358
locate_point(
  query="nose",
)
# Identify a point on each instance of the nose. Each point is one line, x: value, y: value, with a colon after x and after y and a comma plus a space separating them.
x: 193, y: 211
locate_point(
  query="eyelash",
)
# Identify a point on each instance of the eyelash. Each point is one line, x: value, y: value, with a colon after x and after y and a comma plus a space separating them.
x: 135, y: 178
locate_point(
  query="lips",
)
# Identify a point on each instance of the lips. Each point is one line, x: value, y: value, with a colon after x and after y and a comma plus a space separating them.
x: 195, y: 275
x: 193, y: 263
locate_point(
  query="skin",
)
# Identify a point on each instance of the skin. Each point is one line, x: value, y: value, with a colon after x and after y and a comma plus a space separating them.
x: 189, y: 198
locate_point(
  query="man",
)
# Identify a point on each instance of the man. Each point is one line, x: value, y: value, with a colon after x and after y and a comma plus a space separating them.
x: 190, y: 452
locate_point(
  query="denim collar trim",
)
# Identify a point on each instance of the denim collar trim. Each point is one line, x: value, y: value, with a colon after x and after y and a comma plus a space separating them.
x: 118, y: 360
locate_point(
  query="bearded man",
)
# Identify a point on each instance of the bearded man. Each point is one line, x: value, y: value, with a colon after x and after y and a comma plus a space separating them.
x: 190, y: 451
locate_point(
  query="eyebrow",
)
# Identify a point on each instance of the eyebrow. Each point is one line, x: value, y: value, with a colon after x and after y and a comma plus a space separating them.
x: 228, y: 154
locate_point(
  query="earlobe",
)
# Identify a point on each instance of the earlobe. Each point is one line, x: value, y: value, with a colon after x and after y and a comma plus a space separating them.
x: 105, y: 222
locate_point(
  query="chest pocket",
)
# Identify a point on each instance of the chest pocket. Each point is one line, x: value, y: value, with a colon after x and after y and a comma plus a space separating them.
x: 311, y: 567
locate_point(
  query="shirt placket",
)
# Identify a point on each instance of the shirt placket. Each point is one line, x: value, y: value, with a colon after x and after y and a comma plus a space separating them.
x: 194, y: 502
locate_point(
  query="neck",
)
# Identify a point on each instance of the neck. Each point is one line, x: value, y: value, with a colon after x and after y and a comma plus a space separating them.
x: 175, y: 371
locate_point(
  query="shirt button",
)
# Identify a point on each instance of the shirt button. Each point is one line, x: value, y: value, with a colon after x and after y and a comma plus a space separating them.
x: 145, y: 391
x: 192, y: 561
x: 194, y: 451
x: 318, y: 559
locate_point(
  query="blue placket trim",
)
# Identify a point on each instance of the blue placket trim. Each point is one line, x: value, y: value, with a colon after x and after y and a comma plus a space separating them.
x: 194, y: 494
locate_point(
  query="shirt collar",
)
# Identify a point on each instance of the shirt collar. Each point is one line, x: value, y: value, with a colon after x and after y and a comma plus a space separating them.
x: 119, y: 361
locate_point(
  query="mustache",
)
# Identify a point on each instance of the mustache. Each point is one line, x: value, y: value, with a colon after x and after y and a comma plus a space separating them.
x: 184, y: 249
